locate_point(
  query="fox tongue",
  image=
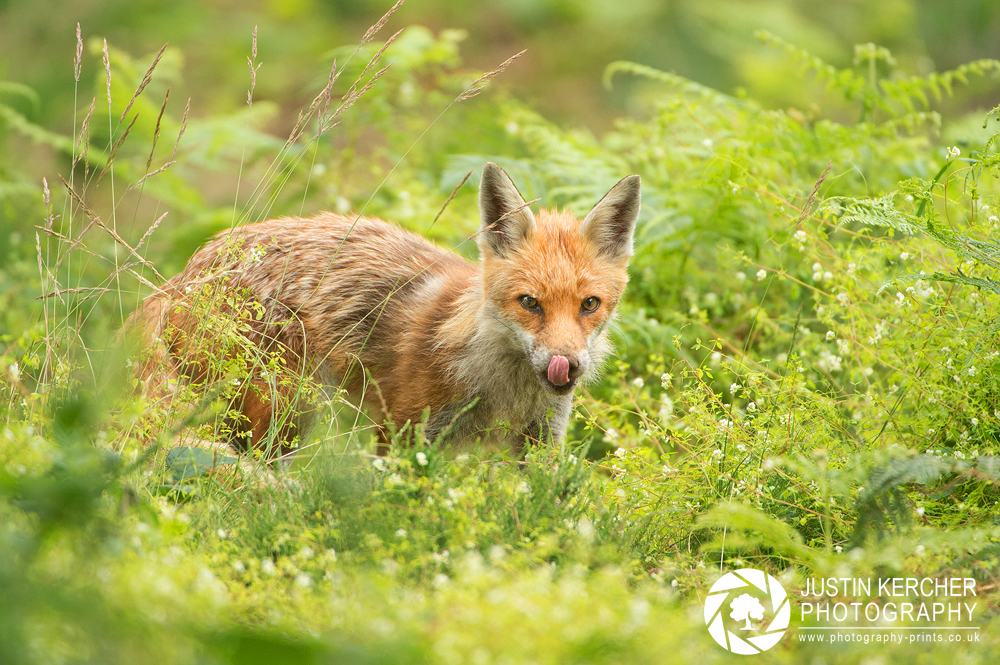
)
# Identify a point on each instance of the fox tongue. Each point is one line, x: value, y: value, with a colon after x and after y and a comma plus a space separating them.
x: 559, y: 370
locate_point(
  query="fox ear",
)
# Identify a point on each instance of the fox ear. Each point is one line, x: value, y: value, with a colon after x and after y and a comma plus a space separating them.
x: 505, y: 219
x: 611, y: 223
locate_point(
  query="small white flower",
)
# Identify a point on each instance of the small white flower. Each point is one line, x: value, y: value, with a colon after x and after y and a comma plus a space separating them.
x: 665, y: 380
x: 396, y: 480
x: 421, y: 459
x: 817, y: 267
x: 761, y: 274
x: 751, y: 406
x: 735, y: 388
x: 222, y: 533
x: 267, y: 567
x: 379, y: 463
x: 953, y: 151
x: 740, y: 276
x: 239, y: 567
x: 717, y: 453
x: 15, y: 371
x: 638, y: 382
x: 800, y: 236
x: 830, y: 335
x: 838, y: 548
x: 974, y: 421
x: 972, y: 371
x: 829, y: 362
x: 904, y: 255
x: 920, y: 511
x: 843, y: 298
x: 401, y: 533
x: 303, y: 580
x: 852, y: 268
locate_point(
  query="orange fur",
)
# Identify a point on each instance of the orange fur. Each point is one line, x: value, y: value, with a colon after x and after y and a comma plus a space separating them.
x: 340, y: 300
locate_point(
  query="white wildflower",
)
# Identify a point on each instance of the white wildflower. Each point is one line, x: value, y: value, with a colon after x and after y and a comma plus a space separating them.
x: 666, y: 409
x: 830, y: 335
x: 953, y: 151
x: 761, y: 274
x: 829, y: 362
x: 638, y: 382
x: 421, y: 459
x: 665, y: 380
x: 740, y: 276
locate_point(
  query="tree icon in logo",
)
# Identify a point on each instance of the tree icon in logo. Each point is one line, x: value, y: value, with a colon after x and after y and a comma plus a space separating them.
x: 746, y: 607
x: 731, y: 590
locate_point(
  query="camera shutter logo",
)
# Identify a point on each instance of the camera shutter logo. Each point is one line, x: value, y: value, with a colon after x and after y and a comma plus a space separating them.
x: 728, y: 596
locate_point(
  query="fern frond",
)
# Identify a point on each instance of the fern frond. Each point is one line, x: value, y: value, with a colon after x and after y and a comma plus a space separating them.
x: 873, y: 212
x: 905, y: 89
x: 845, y: 80
x: 686, y: 86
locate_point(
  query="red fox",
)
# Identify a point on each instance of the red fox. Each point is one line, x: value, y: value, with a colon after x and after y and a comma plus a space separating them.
x: 492, y: 351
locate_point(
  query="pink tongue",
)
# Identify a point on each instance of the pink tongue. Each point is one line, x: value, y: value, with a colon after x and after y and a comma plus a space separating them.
x: 559, y: 370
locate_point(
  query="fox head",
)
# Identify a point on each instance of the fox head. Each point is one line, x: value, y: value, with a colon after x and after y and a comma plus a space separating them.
x: 554, y: 281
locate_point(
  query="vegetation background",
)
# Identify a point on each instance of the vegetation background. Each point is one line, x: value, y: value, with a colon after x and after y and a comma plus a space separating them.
x: 806, y: 378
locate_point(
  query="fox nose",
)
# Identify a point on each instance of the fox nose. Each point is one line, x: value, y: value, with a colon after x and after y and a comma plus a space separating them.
x: 563, y: 369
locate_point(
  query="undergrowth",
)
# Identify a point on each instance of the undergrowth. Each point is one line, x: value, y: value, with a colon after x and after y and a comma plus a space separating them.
x: 805, y: 379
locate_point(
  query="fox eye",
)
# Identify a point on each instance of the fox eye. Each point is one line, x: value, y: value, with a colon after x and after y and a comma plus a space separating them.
x: 591, y: 304
x: 529, y: 302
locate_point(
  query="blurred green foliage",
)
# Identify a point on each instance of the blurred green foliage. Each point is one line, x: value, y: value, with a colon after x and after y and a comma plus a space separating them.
x: 805, y: 379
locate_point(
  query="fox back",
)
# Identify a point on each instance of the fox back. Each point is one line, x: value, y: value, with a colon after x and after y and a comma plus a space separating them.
x: 489, y: 352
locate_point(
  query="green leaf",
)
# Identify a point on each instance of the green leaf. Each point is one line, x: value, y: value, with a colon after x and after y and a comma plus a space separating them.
x: 185, y: 462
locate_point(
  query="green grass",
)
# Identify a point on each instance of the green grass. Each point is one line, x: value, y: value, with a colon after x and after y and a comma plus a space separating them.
x: 805, y: 382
